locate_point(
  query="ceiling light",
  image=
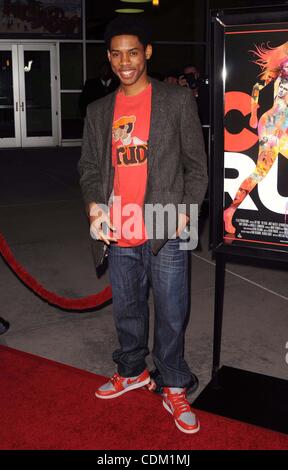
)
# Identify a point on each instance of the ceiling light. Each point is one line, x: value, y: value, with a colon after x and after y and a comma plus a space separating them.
x: 129, y: 10
x: 136, y: 1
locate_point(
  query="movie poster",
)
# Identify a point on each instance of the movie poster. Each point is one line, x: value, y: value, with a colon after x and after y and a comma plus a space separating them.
x: 29, y: 18
x: 256, y: 135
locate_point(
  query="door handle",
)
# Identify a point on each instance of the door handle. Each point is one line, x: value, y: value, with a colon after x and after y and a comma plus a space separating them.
x: 16, y: 106
x: 22, y: 106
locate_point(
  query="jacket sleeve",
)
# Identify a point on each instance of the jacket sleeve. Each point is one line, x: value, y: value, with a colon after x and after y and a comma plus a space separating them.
x: 193, y: 154
x: 89, y: 165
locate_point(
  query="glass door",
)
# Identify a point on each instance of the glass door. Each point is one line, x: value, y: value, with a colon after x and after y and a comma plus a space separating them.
x: 28, y: 105
x: 9, y: 97
x: 37, y: 78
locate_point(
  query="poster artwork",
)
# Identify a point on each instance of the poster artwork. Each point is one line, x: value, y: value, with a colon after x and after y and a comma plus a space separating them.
x: 256, y: 136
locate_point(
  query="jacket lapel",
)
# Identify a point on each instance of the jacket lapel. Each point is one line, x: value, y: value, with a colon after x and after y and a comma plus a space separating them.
x: 158, y: 119
x: 106, y: 128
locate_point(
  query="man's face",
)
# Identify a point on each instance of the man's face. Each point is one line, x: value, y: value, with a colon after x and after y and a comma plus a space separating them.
x: 268, y: 77
x: 284, y: 69
x: 120, y: 133
x: 283, y: 90
x: 192, y: 70
x: 128, y: 59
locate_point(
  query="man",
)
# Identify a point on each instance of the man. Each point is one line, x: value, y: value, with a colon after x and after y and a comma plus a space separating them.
x: 190, y: 79
x: 199, y: 87
x: 166, y: 164
x: 96, y: 88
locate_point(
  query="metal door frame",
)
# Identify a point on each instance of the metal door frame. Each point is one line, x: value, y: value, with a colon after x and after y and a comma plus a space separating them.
x: 16, y: 140
x: 21, y: 139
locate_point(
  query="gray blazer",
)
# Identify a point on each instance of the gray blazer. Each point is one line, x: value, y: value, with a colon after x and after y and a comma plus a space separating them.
x: 176, y: 156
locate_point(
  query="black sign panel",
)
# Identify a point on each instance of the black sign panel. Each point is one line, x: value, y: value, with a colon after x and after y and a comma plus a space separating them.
x: 41, y: 18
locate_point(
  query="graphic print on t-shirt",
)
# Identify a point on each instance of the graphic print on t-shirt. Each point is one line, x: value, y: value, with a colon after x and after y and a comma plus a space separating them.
x: 130, y: 150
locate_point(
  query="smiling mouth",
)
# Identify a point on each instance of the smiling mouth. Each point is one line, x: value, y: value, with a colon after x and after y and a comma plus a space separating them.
x: 126, y: 73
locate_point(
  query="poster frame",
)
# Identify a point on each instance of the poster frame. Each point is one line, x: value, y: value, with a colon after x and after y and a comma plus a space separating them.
x: 219, y: 20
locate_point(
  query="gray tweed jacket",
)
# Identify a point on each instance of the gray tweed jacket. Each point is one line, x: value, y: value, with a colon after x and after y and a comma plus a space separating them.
x: 176, y: 156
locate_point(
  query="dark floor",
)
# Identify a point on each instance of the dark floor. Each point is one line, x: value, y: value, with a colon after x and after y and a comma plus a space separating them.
x: 43, y: 220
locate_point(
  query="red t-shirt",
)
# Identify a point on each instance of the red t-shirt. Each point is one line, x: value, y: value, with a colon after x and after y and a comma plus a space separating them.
x: 130, y: 133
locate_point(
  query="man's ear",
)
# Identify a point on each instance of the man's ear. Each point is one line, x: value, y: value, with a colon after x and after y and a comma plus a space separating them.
x: 148, y: 51
x: 109, y: 55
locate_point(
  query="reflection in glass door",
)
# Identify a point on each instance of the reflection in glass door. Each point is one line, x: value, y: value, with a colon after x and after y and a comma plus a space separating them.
x: 29, y: 117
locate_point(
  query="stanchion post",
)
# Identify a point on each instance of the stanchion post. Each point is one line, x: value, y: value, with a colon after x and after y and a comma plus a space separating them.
x: 218, y: 313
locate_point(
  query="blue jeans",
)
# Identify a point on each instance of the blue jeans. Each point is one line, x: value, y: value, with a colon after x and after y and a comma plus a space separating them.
x: 131, y: 271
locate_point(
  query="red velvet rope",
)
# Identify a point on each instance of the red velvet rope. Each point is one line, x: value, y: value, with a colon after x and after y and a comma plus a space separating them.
x: 83, y: 303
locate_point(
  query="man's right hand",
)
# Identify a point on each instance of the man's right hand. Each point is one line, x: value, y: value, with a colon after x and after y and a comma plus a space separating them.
x: 97, y: 218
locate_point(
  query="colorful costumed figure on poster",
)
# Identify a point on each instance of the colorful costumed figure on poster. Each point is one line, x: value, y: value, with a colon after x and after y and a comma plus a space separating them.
x: 272, y: 126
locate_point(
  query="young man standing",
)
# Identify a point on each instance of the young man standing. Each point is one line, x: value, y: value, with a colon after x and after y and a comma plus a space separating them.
x: 144, y: 144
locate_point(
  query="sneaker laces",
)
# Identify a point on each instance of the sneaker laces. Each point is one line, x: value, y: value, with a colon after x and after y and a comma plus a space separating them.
x: 115, y: 379
x: 179, y: 402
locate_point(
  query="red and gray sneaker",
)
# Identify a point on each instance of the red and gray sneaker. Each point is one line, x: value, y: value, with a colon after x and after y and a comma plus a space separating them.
x: 175, y: 401
x: 118, y: 385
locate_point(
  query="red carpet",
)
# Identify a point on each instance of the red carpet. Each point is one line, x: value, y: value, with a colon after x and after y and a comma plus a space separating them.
x: 47, y: 405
